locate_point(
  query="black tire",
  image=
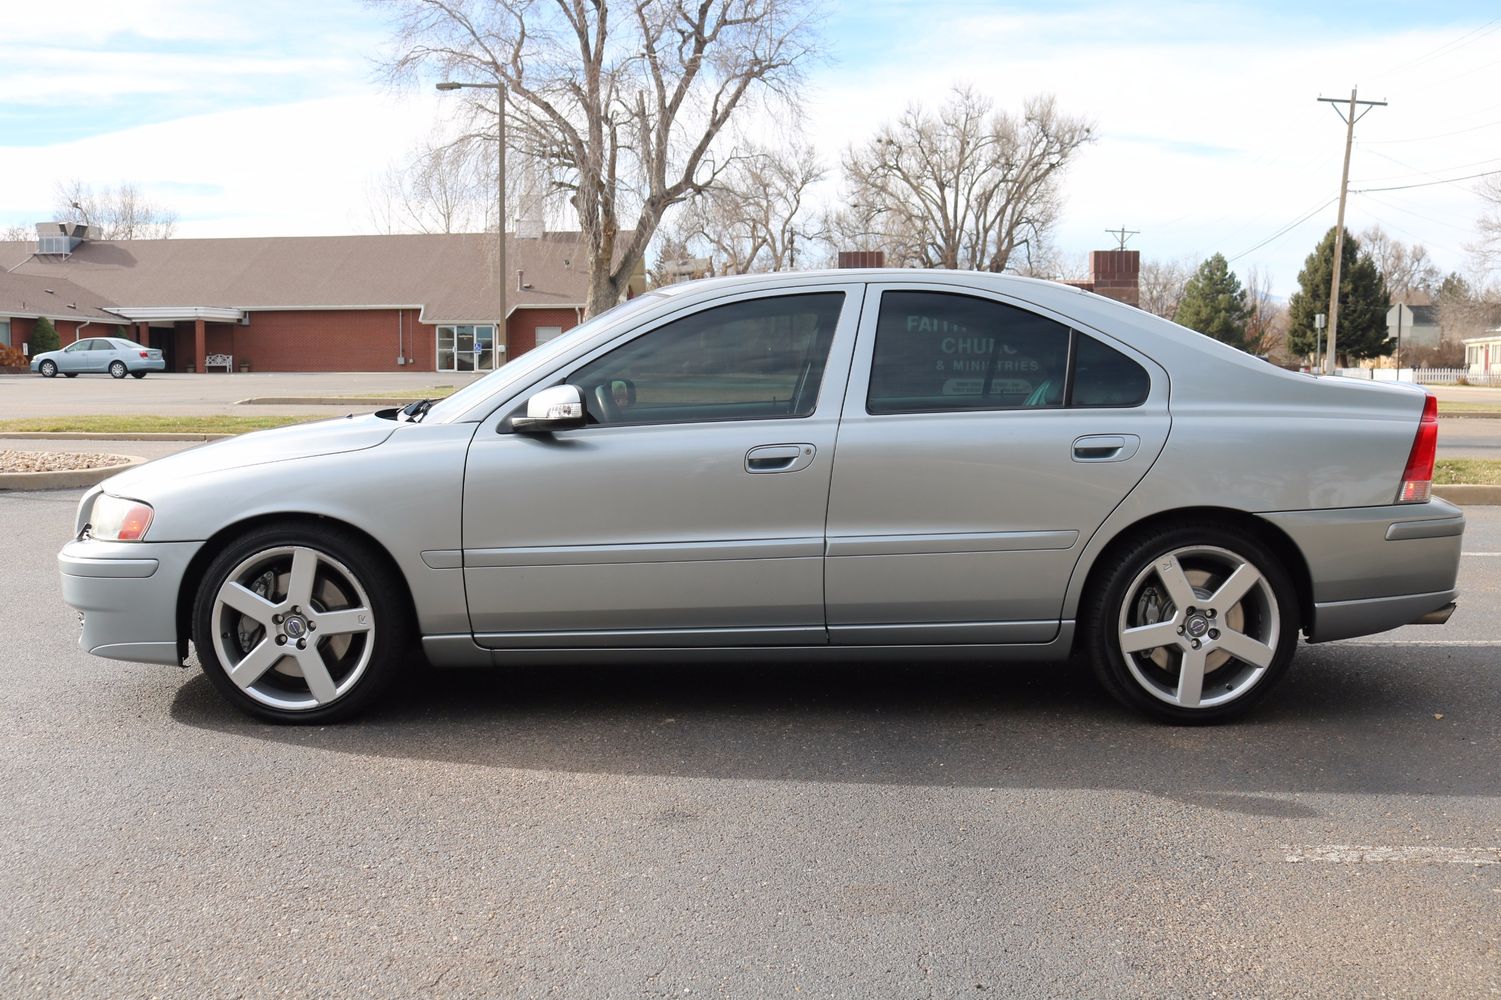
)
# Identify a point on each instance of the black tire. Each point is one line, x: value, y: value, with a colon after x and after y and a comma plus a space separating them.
x: 70, y: 374
x: 387, y: 602
x: 1270, y: 610
x: 48, y: 368
x: 137, y: 374
x: 117, y: 369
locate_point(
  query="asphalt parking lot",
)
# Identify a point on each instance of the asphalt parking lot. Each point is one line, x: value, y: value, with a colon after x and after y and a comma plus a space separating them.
x: 770, y: 830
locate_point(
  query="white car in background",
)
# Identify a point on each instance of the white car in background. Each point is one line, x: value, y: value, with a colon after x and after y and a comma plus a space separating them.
x: 113, y: 355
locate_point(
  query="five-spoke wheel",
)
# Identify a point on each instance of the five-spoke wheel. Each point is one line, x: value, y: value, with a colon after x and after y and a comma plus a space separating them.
x: 1192, y: 624
x: 299, y: 627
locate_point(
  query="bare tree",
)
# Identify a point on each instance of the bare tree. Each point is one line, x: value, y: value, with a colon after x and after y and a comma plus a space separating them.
x: 1162, y: 283
x: 1407, y: 268
x: 121, y: 213
x: 968, y: 187
x: 447, y: 187
x: 624, y: 110
x: 756, y: 217
x: 1487, y: 249
x: 17, y: 234
x: 1266, y: 318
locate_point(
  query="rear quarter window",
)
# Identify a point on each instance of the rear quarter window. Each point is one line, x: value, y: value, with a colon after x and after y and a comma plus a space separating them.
x: 1104, y: 376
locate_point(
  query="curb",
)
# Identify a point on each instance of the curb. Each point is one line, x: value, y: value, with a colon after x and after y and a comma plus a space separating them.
x: 1469, y: 495
x: 332, y: 401
x: 65, y: 479
x: 110, y: 436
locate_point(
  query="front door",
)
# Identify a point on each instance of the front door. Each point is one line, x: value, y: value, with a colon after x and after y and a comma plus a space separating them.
x: 691, y: 510
x: 466, y: 347
x: 981, y: 446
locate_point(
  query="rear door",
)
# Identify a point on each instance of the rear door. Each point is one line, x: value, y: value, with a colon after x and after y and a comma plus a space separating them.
x: 983, y: 441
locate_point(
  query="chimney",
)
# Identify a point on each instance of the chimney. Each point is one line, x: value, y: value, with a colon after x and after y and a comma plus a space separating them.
x: 862, y: 258
x: 1116, y: 274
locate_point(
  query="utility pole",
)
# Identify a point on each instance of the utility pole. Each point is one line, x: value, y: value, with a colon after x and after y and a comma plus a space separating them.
x: 1349, y: 119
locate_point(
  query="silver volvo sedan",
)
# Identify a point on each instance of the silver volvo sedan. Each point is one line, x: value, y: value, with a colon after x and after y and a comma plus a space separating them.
x: 860, y: 464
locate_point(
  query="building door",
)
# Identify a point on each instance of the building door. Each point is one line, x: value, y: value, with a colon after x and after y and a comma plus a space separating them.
x: 466, y: 347
x: 164, y: 341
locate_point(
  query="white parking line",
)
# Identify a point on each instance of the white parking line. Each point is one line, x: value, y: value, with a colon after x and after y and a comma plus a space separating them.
x: 1478, y: 555
x: 1420, y: 642
x: 1419, y: 854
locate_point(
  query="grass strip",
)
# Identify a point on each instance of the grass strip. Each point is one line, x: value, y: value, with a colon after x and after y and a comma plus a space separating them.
x: 1467, y: 471
x: 151, y: 424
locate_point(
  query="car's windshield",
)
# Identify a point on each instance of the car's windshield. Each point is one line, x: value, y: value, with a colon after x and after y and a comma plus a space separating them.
x: 456, y: 405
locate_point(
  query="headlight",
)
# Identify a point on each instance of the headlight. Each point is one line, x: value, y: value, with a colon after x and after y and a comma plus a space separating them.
x: 114, y: 519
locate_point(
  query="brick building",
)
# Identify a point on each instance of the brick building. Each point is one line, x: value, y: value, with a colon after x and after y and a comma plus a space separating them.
x: 303, y: 303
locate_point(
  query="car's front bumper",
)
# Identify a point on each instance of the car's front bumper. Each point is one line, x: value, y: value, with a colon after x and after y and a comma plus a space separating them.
x: 126, y: 594
x: 1376, y: 568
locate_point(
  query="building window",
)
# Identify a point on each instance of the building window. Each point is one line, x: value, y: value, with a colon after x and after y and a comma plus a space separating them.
x: 466, y: 347
x: 5, y: 333
x: 546, y: 333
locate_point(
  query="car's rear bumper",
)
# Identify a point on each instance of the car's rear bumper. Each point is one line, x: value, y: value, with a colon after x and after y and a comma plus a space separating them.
x: 126, y: 595
x: 159, y: 365
x: 1376, y: 568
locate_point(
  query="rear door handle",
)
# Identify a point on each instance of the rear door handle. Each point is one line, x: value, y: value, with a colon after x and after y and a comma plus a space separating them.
x: 779, y: 458
x: 1105, y: 447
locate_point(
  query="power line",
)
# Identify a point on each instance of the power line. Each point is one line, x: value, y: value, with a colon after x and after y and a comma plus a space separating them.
x: 1419, y: 171
x: 1451, y: 45
x: 1285, y: 229
x: 1425, y: 138
x: 1450, y: 180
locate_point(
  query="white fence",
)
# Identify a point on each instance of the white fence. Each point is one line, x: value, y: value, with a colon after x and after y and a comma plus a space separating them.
x: 1422, y: 376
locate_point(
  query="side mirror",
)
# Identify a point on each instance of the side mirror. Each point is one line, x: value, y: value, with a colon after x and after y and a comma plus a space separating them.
x: 553, y: 409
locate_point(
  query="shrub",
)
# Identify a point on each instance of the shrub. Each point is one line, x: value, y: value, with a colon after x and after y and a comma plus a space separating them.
x: 44, y: 337
x: 11, y: 357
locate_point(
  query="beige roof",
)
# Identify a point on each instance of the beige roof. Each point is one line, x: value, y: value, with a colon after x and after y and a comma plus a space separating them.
x: 55, y: 298
x: 451, y: 277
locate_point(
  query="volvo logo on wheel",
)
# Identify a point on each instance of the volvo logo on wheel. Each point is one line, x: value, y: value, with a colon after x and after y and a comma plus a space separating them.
x: 295, y: 627
x: 1197, y: 626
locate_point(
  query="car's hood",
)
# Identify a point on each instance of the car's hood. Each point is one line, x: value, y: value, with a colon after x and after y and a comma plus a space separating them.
x: 326, y: 437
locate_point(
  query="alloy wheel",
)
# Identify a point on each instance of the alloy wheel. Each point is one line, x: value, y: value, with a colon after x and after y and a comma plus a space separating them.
x: 293, y: 628
x: 1199, y: 626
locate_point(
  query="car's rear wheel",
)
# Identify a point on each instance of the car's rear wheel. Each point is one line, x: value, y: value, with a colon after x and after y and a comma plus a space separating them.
x: 117, y: 369
x: 70, y: 374
x: 296, y: 626
x: 137, y: 374
x: 1192, y: 624
x: 48, y: 368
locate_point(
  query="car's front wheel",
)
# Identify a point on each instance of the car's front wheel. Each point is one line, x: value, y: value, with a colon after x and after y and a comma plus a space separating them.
x: 1192, y: 624
x: 295, y: 625
x: 117, y: 369
x: 48, y: 368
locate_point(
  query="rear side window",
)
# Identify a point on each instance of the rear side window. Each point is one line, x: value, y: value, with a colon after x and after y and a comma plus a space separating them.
x: 1104, y: 376
x: 942, y: 351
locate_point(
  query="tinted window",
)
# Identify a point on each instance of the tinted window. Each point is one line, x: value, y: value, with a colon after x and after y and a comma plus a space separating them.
x: 1104, y: 376
x: 940, y: 351
x: 747, y: 360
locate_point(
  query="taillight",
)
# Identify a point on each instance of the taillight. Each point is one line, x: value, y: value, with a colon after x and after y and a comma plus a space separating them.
x: 1417, y: 478
x: 145, y: 355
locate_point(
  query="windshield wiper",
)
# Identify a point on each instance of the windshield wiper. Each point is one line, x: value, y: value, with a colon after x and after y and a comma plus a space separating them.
x: 414, y: 412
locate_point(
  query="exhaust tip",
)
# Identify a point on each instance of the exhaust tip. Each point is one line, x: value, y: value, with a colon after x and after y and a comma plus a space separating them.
x: 1438, y: 616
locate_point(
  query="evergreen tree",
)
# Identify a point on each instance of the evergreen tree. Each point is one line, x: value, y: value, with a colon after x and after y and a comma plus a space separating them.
x: 1363, y: 302
x: 44, y: 337
x: 1214, y: 303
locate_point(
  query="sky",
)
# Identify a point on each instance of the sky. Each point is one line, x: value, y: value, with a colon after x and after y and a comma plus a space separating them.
x: 271, y: 118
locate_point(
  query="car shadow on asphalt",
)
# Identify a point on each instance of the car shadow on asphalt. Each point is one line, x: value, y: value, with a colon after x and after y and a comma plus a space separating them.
x: 1347, y: 720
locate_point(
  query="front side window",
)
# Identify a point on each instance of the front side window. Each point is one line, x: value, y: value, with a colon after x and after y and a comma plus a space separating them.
x: 82, y: 345
x: 755, y: 359
x: 939, y: 351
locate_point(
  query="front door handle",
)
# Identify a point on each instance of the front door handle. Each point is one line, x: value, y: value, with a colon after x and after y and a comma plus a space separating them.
x: 779, y: 458
x: 1105, y: 447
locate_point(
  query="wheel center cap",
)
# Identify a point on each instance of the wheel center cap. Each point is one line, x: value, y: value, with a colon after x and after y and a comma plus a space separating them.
x: 294, y: 626
x: 1197, y: 626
